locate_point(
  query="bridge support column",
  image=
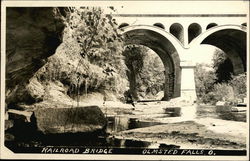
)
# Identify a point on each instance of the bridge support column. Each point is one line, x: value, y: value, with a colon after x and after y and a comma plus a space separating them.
x: 188, y: 92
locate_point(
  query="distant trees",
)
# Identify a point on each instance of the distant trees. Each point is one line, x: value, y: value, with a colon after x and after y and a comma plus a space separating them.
x: 204, y: 81
x: 219, y: 83
x: 152, y: 76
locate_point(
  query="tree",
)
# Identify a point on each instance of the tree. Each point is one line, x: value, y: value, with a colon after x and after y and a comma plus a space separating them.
x: 152, y: 78
x: 219, y: 84
x: 204, y: 82
x: 100, y: 41
x: 134, y: 56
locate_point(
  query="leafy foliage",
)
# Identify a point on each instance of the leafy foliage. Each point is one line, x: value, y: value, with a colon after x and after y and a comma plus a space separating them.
x: 239, y: 85
x: 90, y: 58
x: 209, y: 90
x: 224, y: 92
x: 97, y: 35
x: 152, y: 78
x: 204, y: 81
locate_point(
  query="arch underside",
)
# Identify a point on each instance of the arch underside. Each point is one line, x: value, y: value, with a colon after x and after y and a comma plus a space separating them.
x: 233, y: 43
x: 167, y: 53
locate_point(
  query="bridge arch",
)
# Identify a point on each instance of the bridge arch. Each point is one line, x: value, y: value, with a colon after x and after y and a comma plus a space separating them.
x: 229, y: 38
x: 166, y: 46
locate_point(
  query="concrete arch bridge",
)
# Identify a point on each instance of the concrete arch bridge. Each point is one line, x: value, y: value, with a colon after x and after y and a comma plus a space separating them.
x: 176, y: 44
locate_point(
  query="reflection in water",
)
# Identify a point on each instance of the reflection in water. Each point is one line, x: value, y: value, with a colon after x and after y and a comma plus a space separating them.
x: 173, y: 111
x: 95, y: 140
x: 116, y: 124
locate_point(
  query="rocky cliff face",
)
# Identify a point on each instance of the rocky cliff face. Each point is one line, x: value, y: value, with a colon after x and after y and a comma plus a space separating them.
x: 42, y: 56
x: 32, y: 35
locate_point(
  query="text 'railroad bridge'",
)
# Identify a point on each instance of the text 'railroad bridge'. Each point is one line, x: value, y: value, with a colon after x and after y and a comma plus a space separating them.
x: 176, y: 37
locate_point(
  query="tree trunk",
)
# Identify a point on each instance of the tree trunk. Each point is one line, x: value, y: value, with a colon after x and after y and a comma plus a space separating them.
x: 132, y: 84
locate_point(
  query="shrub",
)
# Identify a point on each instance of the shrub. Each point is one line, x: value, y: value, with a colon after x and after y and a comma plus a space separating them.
x: 224, y: 92
x: 239, y: 85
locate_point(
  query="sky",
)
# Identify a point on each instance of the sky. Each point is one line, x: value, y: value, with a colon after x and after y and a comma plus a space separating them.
x: 206, y: 56
x: 173, y: 7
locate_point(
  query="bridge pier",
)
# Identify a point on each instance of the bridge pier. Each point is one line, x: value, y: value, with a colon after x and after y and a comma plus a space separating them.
x: 188, y: 92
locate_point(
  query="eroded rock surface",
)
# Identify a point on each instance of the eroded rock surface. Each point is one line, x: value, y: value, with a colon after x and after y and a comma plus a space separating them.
x: 32, y: 35
x: 69, y: 120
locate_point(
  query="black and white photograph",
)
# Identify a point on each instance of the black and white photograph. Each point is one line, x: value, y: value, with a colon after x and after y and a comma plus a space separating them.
x: 125, y: 80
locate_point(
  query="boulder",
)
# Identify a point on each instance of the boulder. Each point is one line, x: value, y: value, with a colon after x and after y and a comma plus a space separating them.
x: 35, y: 89
x: 159, y: 95
x: 25, y: 93
x: 69, y: 120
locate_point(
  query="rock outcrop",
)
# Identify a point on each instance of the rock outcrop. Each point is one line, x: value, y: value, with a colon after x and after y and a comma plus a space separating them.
x: 32, y: 35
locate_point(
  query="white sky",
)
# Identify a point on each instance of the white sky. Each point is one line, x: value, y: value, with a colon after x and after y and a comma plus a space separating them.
x: 173, y: 7
x: 204, y: 54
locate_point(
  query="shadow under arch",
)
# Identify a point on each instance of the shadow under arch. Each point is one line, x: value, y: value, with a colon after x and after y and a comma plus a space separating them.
x: 166, y: 46
x: 229, y: 38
